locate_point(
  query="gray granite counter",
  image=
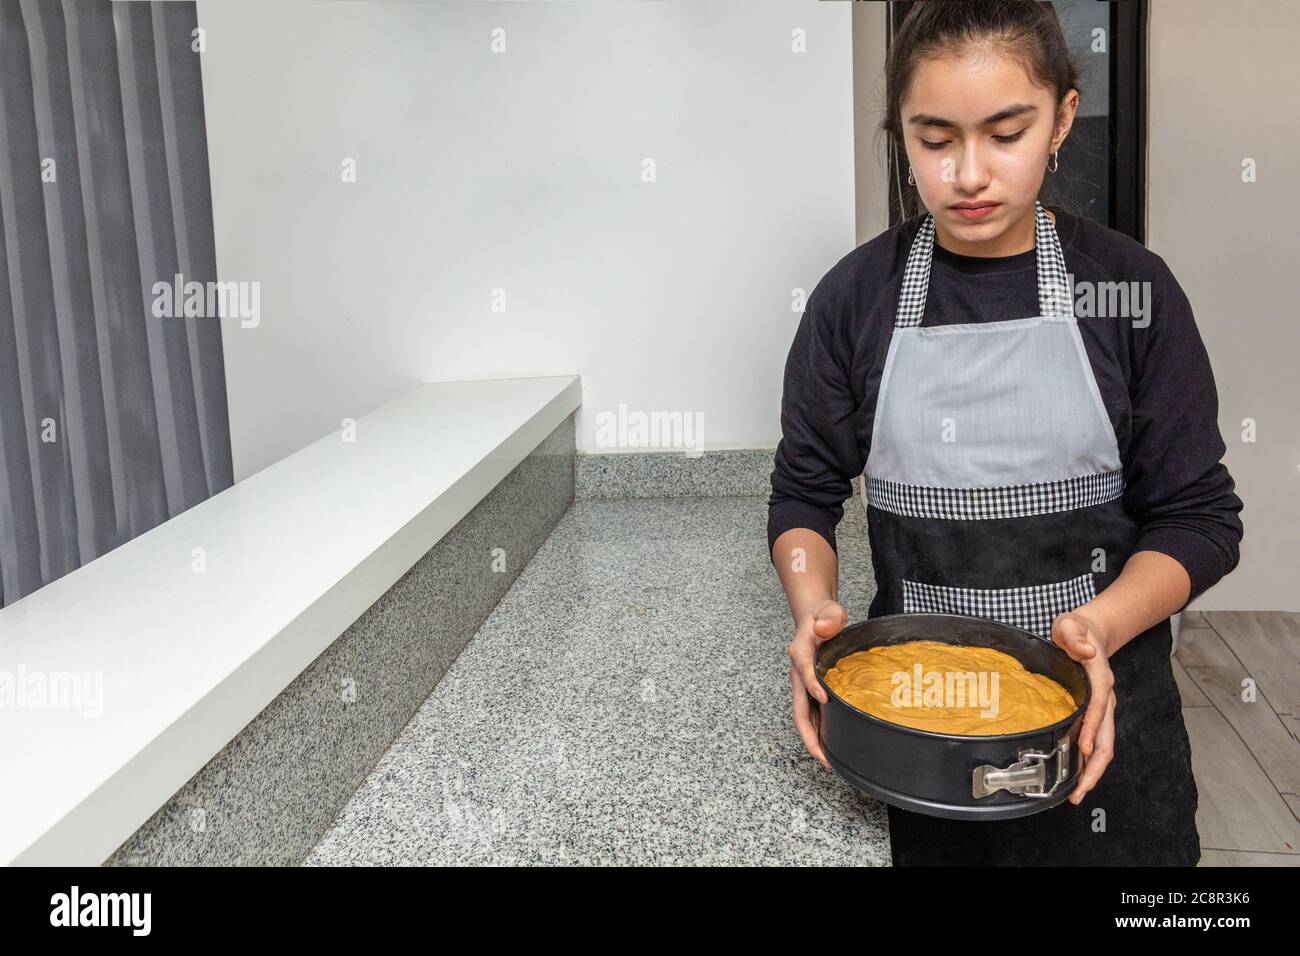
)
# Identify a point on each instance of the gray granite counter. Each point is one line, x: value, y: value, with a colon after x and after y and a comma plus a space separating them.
x: 627, y: 702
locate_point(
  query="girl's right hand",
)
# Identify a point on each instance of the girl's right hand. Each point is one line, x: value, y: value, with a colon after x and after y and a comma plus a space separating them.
x: 819, y: 625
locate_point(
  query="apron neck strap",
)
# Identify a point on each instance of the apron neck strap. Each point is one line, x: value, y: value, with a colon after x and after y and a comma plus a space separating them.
x: 1054, y: 293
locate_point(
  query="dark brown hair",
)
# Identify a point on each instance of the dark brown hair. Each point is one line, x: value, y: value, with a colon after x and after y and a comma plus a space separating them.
x: 1026, y: 30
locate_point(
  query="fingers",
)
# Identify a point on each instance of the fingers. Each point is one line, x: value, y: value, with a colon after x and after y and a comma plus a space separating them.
x: 1097, y: 735
x: 804, y: 719
x: 803, y: 652
x: 825, y: 623
x: 1102, y: 680
x: 1100, y: 758
x: 828, y: 621
x: 1071, y: 633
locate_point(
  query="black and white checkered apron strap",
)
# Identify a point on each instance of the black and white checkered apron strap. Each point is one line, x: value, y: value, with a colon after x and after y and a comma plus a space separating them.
x: 1055, y: 297
x: 916, y: 277
x: 1054, y: 294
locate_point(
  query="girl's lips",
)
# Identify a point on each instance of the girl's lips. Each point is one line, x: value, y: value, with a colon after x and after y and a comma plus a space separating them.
x: 979, y: 213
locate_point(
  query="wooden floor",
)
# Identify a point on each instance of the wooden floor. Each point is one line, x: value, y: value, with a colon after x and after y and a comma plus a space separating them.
x: 1239, y: 675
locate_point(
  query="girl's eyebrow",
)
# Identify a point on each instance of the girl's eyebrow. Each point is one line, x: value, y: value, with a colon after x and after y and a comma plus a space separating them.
x: 1016, y: 109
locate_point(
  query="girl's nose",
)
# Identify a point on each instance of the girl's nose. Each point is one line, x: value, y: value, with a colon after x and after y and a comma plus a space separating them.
x: 971, y: 174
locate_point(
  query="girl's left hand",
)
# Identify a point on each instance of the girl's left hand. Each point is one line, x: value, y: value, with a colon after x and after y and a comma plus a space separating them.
x: 1083, y: 636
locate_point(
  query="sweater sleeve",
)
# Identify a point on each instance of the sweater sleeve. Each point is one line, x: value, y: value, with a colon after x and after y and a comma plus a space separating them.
x: 818, y: 453
x: 1176, y: 484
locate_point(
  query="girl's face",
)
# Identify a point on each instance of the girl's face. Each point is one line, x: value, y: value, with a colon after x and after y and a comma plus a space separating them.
x: 977, y: 130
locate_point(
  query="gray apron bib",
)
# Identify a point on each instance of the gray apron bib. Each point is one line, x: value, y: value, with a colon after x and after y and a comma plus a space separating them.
x: 994, y: 488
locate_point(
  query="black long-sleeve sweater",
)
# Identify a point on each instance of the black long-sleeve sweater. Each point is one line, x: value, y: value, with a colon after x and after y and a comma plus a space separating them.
x: 1156, y: 382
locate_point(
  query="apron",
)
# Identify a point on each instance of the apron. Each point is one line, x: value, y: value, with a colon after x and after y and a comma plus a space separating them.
x: 994, y: 488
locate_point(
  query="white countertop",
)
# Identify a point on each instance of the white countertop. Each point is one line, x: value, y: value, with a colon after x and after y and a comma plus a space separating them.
x: 186, y: 658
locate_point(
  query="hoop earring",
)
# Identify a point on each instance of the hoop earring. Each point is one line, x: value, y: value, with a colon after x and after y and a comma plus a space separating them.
x: 910, y: 180
x: 1051, y: 168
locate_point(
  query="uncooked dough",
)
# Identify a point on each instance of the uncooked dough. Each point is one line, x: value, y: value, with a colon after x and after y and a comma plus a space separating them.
x: 949, y: 689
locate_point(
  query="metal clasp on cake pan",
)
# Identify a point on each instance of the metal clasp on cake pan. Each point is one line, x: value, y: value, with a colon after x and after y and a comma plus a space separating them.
x: 1029, y: 776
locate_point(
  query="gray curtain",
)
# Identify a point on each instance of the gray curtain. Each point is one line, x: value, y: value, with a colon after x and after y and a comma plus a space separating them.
x: 111, y: 420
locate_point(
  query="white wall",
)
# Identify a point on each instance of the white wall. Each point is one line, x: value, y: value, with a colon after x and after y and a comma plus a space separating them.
x: 1223, y: 88
x: 522, y: 171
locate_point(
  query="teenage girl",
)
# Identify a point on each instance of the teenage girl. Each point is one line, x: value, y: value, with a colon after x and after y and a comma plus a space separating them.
x: 1037, y: 445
